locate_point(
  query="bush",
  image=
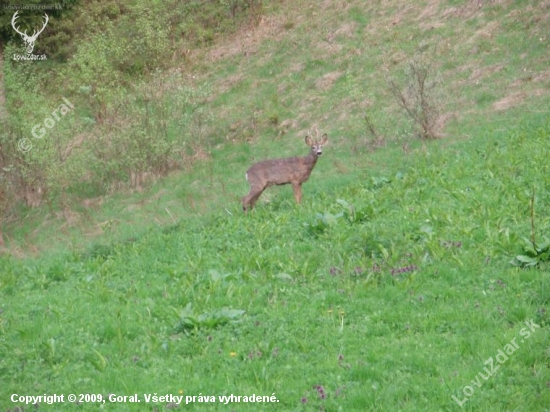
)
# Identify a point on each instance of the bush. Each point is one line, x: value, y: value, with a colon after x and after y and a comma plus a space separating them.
x: 419, y: 96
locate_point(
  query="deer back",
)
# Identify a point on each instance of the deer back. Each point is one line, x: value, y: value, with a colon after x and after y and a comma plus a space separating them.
x: 294, y: 170
x: 281, y: 171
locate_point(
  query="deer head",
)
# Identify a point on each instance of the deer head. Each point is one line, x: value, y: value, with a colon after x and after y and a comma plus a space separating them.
x: 29, y: 40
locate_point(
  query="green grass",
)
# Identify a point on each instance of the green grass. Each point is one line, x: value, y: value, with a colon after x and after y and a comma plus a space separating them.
x: 389, y: 287
x: 390, y: 292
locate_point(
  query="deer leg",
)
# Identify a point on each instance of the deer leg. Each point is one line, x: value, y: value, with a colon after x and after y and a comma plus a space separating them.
x: 246, y: 202
x: 256, y: 195
x: 297, y: 188
x: 250, y: 199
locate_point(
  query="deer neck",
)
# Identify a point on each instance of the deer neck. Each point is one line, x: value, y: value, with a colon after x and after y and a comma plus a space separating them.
x: 311, y: 159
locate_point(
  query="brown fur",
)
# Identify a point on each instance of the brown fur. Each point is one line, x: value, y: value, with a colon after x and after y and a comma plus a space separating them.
x: 293, y: 170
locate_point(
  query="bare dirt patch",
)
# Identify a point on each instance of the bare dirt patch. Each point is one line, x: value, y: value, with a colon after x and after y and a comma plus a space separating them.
x: 542, y: 76
x: 442, y: 121
x: 473, y: 8
x: 325, y: 82
x: 509, y: 101
x: 489, y: 30
x: 227, y: 84
x: 430, y: 10
x: 247, y: 41
x: 429, y: 17
x: 481, y: 72
x: 93, y: 203
x: 328, y: 49
x: 346, y: 30
x: 431, y: 25
x: 286, y: 126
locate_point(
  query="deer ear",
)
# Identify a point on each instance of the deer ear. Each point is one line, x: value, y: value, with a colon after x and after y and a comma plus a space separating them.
x: 324, y: 140
x: 308, y: 141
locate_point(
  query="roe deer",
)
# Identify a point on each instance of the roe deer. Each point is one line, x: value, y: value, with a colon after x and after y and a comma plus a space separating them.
x: 293, y: 170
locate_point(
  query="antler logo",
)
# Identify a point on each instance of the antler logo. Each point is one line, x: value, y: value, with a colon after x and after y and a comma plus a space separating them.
x: 29, y: 40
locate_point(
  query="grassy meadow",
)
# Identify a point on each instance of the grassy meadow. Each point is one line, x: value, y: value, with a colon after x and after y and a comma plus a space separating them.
x: 415, y: 274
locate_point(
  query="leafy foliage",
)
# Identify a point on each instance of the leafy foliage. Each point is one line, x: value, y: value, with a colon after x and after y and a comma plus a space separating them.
x: 534, y: 254
x: 191, y: 321
x: 107, y: 57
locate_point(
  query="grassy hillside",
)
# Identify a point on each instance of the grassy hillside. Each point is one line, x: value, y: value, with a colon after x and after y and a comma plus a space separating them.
x: 255, y: 94
x: 388, y: 293
x: 390, y: 288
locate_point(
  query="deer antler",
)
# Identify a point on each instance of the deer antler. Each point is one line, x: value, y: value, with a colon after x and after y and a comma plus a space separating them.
x: 15, y: 17
x: 29, y: 40
x: 35, y: 35
x: 317, y: 133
